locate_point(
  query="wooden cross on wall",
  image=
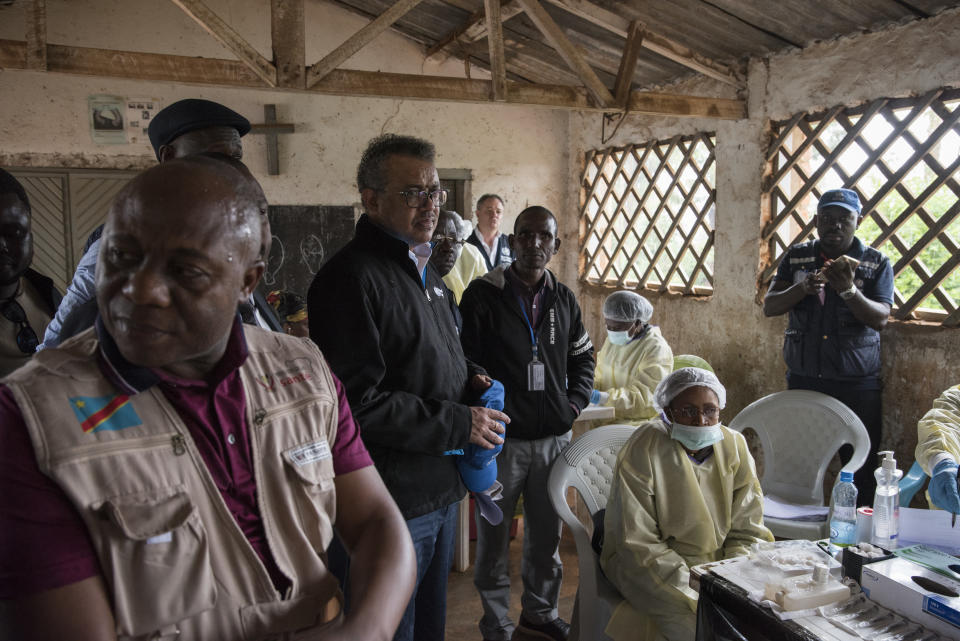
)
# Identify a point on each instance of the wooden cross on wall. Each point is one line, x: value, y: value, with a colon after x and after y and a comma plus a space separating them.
x: 271, y: 129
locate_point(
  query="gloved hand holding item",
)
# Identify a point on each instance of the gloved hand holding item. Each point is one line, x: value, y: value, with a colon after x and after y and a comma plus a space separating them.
x: 598, y: 398
x: 943, y: 486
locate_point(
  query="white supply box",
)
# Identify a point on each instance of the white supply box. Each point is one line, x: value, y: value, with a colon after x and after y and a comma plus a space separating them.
x: 921, y: 595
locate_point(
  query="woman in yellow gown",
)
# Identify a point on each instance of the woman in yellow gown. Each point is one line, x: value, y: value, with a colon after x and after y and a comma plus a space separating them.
x: 684, y: 492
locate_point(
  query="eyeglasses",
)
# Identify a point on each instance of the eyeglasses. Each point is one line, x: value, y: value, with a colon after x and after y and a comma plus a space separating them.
x: 446, y: 240
x: 417, y: 197
x: 26, y: 338
x: 711, y: 413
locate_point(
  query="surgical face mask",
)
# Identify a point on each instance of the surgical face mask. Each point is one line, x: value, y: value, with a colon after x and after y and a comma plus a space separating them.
x: 618, y: 338
x: 696, y: 437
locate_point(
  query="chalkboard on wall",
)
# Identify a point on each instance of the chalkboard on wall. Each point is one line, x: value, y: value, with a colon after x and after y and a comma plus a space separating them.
x: 304, y: 238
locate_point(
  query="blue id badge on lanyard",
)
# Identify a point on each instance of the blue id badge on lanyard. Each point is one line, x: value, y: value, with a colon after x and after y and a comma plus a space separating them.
x: 536, y: 374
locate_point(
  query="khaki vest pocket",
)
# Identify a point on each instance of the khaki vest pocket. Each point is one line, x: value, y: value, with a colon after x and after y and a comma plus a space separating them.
x: 155, y: 544
x: 316, y: 496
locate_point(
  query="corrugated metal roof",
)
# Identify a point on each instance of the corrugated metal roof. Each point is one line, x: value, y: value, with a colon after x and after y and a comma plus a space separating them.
x: 724, y: 31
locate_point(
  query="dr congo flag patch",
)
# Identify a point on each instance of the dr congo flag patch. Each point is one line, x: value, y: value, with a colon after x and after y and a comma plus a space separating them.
x: 97, y: 413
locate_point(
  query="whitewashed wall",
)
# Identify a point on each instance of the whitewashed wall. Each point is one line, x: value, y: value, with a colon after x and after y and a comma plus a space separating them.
x: 516, y: 152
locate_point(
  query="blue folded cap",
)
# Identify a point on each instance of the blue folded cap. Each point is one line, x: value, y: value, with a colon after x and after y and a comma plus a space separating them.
x: 492, y: 397
x: 846, y: 198
x: 478, y: 465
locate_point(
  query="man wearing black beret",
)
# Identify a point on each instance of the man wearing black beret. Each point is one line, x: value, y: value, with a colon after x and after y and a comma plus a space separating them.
x: 187, y: 127
x: 193, y: 126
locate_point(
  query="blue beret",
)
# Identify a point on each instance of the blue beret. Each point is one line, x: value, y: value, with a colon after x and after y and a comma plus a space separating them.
x: 189, y: 115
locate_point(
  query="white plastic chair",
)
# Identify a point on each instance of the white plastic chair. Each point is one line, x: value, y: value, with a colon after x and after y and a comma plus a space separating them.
x: 799, y: 433
x: 587, y: 464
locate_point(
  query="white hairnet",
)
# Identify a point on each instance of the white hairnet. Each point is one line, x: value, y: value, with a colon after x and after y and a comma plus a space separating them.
x: 683, y: 379
x: 627, y: 306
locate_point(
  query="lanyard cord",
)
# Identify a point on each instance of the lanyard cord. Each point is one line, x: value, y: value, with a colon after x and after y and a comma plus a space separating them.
x: 533, y: 338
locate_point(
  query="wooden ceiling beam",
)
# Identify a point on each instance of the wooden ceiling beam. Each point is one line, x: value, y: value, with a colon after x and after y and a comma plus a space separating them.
x: 289, y: 46
x: 498, y: 63
x: 661, y: 45
x: 508, y: 9
x: 570, y: 54
x: 518, y: 67
x: 358, y: 41
x: 37, y: 35
x: 216, y: 27
x: 628, y: 63
x: 210, y: 71
x: 651, y: 103
x: 475, y: 27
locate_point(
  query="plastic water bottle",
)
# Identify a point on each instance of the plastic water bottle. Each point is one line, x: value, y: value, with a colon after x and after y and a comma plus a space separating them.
x: 843, y: 511
x: 886, y: 504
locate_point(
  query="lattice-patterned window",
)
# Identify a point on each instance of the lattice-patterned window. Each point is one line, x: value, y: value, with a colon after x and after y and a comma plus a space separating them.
x: 647, y: 215
x: 903, y: 157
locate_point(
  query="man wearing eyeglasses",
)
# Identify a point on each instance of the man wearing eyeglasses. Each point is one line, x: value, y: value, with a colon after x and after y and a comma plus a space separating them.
x: 838, y: 293
x: 28, y: 299
x: 382, y: 316
x: 457, y: 261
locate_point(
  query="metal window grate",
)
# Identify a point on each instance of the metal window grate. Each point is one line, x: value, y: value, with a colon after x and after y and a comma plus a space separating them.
x: 647, y: 215
x: 903, y: 157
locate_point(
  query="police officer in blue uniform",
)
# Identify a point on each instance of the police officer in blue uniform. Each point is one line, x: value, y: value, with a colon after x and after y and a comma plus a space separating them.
x: 837, y: 308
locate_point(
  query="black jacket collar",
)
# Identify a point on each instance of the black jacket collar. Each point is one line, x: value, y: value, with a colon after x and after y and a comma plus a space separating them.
x: 374, y: 238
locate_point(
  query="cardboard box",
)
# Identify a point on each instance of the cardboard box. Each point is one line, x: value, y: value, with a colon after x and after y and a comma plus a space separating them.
x: 921, y: 595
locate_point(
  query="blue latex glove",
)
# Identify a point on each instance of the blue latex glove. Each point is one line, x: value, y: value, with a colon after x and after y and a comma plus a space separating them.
x: 943, y: 487
x: 597, y: 398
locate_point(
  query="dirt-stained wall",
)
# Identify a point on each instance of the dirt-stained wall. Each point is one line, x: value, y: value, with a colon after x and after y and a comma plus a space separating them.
x: 729, y: 328
x: 530, y: 156
x: 43, y: 120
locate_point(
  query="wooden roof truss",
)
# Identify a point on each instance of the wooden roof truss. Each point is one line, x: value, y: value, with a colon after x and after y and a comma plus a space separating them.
x: 288, y: 69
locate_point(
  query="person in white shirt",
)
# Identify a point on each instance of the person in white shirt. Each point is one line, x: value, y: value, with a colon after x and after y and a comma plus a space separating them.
x: 487, y: 237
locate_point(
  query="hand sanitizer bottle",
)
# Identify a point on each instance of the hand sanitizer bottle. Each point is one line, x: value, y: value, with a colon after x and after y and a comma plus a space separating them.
x: 886, y: 504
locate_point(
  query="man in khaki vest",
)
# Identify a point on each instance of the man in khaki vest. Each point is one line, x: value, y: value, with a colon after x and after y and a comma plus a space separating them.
x: 173, y: 474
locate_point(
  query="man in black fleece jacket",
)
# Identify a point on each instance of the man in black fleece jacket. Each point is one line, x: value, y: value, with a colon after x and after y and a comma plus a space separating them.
x: 379, y: 311
x: 525, y: 329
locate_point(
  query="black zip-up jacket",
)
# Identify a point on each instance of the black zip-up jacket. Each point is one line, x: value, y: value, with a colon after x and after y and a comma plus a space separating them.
x: 393, y: 343
x: 496, y: 336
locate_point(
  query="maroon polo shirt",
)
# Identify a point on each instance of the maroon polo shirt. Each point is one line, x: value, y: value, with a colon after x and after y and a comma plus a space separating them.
x: 43, y: 541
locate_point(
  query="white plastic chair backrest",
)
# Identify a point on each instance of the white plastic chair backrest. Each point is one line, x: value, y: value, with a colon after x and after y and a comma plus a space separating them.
x: 588, y: 464
x: 799, y: 433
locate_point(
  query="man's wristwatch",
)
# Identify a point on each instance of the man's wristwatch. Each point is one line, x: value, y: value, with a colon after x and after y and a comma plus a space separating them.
x: 847, y: 294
